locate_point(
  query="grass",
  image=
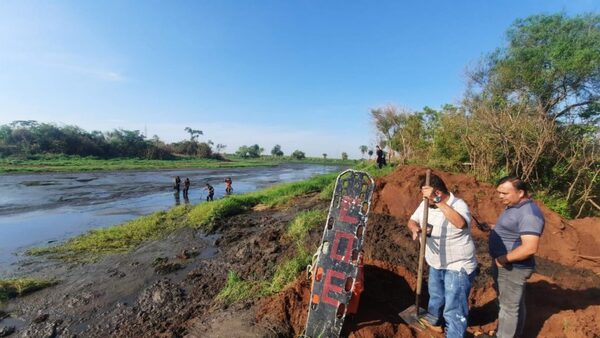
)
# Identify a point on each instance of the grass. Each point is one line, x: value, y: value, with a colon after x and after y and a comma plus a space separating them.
x: 11, y: 288
x: 79, y: 164
x: 119, y: 238
x: 303, y: 223
x: 66, y: 163
x: 127, y: 236
x: 237, y: 289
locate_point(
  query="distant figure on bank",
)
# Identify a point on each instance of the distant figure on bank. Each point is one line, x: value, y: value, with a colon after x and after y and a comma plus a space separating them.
x: 177, y: 185
x: 211, y: 192
x: 228, y: 188
x: 186, y: 187
x: 380, y: 157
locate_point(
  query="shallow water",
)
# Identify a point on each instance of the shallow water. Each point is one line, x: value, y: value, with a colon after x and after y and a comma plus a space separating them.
x: 37, y: 209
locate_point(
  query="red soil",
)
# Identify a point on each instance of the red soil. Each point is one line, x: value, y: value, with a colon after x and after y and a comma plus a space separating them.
x: 563, y: 298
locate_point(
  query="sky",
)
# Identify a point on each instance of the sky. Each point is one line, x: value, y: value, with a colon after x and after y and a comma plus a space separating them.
x: 303, y: 74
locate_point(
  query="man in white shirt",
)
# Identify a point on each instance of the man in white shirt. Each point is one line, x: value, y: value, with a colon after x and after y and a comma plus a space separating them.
x: 450, y: 254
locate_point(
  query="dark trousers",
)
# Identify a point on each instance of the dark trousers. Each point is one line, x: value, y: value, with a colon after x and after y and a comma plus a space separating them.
x: 510, y: 287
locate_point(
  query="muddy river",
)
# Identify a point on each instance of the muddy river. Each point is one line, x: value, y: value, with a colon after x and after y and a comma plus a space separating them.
x: 38, y: 209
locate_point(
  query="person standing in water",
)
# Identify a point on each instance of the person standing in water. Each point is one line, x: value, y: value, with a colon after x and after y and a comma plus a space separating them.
x: 177, y: 185
x: 186, y: 187
x: 228, y: 188
x: 211, y: 192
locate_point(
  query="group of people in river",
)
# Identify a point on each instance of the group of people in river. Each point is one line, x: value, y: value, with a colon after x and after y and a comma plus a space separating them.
x: 209, y: 188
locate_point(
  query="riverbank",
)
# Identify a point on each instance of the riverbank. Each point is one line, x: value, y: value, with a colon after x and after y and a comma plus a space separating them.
x: 161, y: 284
x: 45, y: 164
x: 38, y: 209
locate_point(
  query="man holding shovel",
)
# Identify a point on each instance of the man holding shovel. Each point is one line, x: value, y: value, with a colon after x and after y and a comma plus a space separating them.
x: 450, y: 254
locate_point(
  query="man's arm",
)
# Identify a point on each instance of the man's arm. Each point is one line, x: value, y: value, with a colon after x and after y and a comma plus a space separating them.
x: 414, y: 227
x: 452, y: 215
x: 529, y: 246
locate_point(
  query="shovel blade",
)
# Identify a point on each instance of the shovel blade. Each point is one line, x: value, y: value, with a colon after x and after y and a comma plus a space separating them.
x: 410, y: 317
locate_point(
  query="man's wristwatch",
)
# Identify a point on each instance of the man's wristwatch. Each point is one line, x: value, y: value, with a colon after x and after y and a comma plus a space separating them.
x: 437, y: 199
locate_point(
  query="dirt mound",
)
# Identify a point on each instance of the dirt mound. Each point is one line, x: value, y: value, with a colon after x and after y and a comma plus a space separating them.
x: 566, y: 242
x: 564, y: 287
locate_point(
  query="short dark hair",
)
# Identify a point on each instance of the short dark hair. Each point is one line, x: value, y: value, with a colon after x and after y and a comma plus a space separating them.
x: 517, y: 183
x: 435, y: 182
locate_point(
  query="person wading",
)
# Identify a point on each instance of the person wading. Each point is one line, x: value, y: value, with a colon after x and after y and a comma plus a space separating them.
x: 211, y: 192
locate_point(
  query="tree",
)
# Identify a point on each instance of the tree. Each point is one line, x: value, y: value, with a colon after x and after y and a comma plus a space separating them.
x: 344, y: 156
x: 299, y: 155
x: 531, y: 103
x: 324, y: 156
x: 370, y: 152
x: 363, y: 150
x: 204, y: 150
x: 194, y: 133
x: 276, y: 151
x: 220, y: 147
x: 386, y: 123
x: 243, y: 152
x: 252, y: 151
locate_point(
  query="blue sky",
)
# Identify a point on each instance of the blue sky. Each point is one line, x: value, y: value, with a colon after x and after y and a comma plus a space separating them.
x: 302, y: 74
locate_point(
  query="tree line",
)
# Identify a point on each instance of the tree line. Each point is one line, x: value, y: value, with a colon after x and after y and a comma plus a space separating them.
x: 27, y: 138
x: 531, y: 109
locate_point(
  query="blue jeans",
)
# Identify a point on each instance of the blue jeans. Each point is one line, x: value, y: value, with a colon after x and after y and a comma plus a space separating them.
x: 448, y: 299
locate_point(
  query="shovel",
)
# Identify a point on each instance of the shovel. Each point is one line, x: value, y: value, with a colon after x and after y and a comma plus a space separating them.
x: 411, y: 314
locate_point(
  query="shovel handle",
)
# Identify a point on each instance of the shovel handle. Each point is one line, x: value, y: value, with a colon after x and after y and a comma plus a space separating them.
x: 422, y: 242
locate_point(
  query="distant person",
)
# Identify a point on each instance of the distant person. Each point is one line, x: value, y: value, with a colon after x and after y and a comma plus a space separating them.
x: 186, y: 187
x: 513, y: 241
x: 228, y: 188
x: 380, y: 157
x: 177, y: 185
x: 211, y: 192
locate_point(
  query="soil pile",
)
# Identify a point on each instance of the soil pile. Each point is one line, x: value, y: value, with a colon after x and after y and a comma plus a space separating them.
x: 564, y: 292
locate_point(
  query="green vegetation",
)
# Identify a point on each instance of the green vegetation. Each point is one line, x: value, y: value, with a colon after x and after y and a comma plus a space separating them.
x: 303, y: 223
x: 31, y: 146
x: 64, y: 163
x: 532, y: 109
x: 74, y: 163
x: 11, y: 288
x: 124, y: 237
x: 237, y: 289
